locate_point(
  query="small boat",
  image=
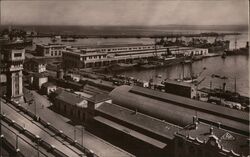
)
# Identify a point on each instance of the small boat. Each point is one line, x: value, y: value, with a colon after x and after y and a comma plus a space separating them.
x: 223, y: 56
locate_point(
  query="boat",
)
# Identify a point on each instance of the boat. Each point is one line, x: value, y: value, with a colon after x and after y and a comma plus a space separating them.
x: 228, y: 95
x: 215, y: 47
x: 240, y: 51
x: 223, y: 56
x: 122, y: 66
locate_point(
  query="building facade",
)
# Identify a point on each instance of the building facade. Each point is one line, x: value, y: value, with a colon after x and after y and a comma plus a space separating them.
x: 35, y: 65
x: 50, y: 50
x: 12, y: 66
x: 89, y: 57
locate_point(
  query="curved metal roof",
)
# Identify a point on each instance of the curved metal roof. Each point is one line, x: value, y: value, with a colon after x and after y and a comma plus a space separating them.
x: 168, y: 111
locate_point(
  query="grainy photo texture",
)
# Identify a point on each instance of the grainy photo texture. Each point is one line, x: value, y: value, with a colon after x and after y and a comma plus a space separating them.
x: 124, y: 78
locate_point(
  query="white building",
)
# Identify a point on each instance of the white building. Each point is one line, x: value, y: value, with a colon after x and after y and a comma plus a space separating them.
x: 50, y: 50
x: 89, y: 57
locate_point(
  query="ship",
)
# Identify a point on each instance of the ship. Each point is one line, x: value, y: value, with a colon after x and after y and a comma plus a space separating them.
x: 240, y: 51
x: 215, y: 47
x: 227, y: 95
x: 121, y: 66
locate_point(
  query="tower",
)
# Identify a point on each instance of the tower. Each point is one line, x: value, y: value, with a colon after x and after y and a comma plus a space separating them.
x: 13, y: 64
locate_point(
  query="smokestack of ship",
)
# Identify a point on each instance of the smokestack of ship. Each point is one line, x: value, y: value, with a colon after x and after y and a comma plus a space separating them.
x: 247, y: 45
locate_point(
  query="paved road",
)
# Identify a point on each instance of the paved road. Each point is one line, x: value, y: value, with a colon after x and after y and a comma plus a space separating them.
x: 97, y: 145
x: 18, y: 118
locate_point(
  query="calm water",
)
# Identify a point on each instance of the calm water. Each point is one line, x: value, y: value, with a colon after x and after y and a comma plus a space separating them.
x: 231, y: 67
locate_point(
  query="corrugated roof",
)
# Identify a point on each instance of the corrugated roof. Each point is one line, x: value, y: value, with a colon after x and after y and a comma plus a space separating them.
x: 146, y: 122
x: 180, y: 114
x: 191, y: 103
x: 131, y: 132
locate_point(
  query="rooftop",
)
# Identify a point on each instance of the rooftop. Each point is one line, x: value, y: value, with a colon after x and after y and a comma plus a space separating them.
x: 40, y: 75
x: 115, y: 45
x: 38, y: 61
x: 131, y: 132
x: 178, y: 110
x: 48, y: 84
x: 52, y: 45
x: 191, y: 103
x: 181, y: 83
x: 70, y: 98
x: 227, y: 140
x: 99, y: 98
x: 146, y: 122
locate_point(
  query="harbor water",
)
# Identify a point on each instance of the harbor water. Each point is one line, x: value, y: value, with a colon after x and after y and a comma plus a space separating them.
x: 231, y: 66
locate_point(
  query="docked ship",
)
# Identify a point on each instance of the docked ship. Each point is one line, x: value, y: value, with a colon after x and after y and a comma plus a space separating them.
x: 215, y: 47
x: 121, y: 66
x: 227, y: 95
x: 240, y: 51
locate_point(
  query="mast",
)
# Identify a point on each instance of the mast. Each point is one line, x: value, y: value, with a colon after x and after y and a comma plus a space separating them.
x: 235, y: 84
x: 235, y: 43
x: 183, y: 71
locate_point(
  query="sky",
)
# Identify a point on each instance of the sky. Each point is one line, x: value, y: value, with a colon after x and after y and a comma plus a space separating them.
x: 124, y: 12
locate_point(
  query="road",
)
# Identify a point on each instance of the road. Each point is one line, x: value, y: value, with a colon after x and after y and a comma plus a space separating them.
x: 91, y: 142
x: 34, y: 129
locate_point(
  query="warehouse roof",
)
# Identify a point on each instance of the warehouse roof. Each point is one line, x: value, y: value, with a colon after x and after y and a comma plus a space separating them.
x: 146, y: 122
x: 191, y: 103
x: 131, y: 132
x: 178, y: 110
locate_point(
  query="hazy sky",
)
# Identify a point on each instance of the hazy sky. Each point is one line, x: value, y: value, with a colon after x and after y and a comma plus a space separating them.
x: 125, y: 12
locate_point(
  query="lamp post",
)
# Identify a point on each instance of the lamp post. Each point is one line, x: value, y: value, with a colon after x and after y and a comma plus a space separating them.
x: 74, y: 133
x: 82, y: 135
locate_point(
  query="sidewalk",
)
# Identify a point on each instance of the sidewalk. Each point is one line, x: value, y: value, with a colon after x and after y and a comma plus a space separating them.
x: 91, y: 142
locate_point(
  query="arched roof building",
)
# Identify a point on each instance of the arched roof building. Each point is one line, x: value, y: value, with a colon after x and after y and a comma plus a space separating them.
x: 178, y: 110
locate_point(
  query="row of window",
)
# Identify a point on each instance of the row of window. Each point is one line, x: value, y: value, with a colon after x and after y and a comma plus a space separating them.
x: 127, y: 48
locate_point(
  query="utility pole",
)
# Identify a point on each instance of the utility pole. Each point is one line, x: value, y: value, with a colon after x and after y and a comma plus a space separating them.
x: 74, y: 133
x: 82, y: 135
x: 16, y: 141
x: 38, y: 153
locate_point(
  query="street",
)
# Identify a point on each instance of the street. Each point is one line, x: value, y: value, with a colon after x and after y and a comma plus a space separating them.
x: 91, y: 142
